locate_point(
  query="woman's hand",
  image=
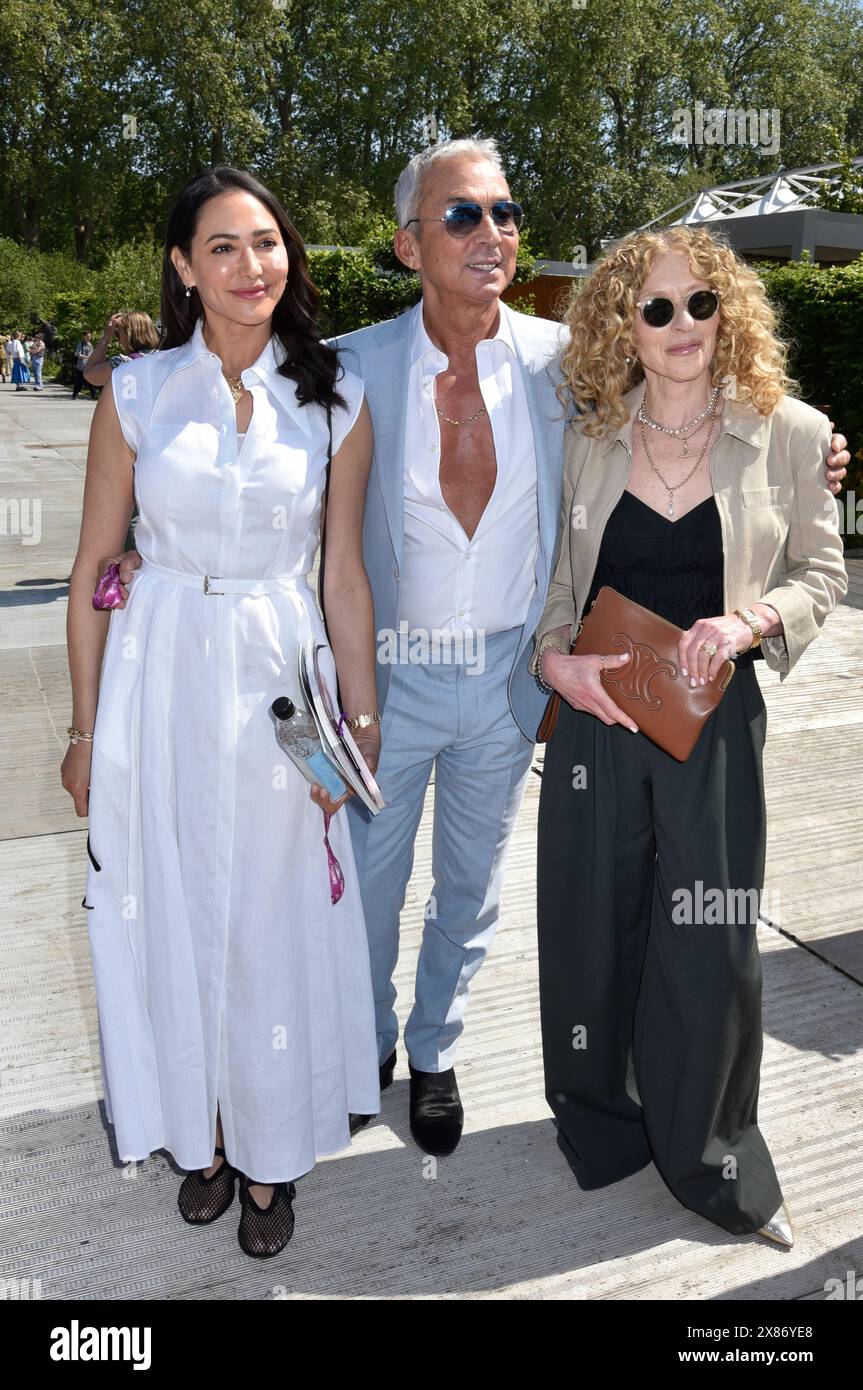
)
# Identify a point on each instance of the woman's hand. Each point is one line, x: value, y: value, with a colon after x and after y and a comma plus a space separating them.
x: 127, y: 564
x: 75, y: 774
x: 577, y: 679
x: 368, y: 740
x: 369, y: 743
x: 729, y: 634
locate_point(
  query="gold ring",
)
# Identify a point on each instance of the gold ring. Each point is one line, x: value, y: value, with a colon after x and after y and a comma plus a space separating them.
x: 709, y: 647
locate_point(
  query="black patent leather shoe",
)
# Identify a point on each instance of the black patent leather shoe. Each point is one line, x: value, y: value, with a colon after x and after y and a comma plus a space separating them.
x: 385, y: 1076
x: 437, y: 1116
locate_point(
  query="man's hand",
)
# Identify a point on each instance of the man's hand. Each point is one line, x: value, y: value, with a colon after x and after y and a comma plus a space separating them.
x: 126, y: 564
x: 837, y: 461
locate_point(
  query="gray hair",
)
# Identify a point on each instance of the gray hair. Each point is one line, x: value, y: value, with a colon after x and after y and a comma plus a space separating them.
x: 409, y: 187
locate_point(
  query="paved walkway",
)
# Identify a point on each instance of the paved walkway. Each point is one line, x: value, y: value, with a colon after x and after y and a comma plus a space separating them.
x: 501, y: 1218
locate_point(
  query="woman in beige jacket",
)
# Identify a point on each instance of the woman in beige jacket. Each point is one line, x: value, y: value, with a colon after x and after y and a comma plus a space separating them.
x: 693, y: 485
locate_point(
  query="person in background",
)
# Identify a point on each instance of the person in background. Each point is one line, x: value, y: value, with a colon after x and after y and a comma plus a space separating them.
x: 6, y: 356
x: 137, y: 335
x: 20, y: 372
x: 37, y: 357
x: 83, y: 353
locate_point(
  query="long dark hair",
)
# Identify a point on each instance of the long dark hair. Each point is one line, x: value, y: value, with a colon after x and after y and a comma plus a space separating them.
x: 312, y: 364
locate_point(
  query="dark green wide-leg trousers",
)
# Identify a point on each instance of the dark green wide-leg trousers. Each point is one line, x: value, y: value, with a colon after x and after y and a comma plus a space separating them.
x: 650, y: 876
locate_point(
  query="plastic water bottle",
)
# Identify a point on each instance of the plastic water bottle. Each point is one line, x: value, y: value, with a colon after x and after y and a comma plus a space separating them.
x: 298, y: 737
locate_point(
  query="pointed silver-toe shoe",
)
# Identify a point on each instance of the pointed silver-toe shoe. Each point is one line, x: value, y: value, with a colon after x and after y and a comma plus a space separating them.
x: 778, y: 1228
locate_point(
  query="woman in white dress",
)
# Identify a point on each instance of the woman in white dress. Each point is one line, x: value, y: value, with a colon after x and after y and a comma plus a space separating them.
x: 236, y: 1018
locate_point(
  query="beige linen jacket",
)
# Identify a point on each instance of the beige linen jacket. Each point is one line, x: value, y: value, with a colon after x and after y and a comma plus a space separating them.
x: 780, y: 528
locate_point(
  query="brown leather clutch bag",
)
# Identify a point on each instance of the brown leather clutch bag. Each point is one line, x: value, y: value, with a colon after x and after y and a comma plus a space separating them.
x: 649, y: 687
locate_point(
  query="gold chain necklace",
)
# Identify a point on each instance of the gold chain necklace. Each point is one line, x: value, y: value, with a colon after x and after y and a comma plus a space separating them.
x: 677, y: 486
x: 470, y: 419
x: 236, y: 385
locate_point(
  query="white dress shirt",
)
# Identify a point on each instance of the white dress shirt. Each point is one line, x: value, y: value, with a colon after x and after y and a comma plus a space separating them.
x: 449, y: 582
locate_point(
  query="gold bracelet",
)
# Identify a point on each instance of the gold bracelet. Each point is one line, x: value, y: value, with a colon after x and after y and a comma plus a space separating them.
x: 78, y: 735
x: 551, y: 639
x: 362, y: 721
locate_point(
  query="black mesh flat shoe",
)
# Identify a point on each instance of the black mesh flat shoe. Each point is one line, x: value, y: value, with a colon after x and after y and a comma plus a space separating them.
x: 264, y: 1231
x: 202, y: 1200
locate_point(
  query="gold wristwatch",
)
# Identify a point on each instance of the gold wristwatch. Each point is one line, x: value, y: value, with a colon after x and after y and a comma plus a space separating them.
x: 752, y: 620
x: 362, y: 721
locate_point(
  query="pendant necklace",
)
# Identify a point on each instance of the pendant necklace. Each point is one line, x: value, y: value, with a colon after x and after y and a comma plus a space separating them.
x: 669, y: 489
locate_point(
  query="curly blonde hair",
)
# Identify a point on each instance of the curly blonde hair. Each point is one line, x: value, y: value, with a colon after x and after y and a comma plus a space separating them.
x: 601, y: 310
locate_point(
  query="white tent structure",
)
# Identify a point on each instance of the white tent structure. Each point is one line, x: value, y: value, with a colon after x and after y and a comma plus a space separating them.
x: 777, y: 216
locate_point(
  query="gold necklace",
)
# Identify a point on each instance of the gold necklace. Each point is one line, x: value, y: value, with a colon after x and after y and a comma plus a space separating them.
x: 671, y: 490
x: 470, y: 419
x: 236, y: 385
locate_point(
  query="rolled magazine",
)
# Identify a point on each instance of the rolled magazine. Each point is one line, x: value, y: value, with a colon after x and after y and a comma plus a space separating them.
x: 317, y: 672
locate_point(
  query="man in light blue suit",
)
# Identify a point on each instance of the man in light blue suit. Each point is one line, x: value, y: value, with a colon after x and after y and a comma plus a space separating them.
x: 459, y: 537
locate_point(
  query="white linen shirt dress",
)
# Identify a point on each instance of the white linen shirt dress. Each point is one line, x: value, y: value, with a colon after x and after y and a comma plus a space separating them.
x: 224, y: 973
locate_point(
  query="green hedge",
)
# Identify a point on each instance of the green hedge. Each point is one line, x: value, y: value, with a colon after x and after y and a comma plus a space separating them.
x: 821, y: 316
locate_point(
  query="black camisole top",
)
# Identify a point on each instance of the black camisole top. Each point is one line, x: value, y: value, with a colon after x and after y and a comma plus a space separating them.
x: 674, y: 568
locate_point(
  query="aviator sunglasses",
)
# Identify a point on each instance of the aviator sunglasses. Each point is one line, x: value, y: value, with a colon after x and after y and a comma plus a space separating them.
x: 463, y: 218
x: 659, y: 311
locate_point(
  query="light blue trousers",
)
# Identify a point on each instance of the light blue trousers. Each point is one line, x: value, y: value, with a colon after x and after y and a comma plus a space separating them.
x: 457, y: 720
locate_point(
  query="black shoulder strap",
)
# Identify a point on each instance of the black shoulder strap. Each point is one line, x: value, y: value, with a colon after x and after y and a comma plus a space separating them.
x: 324, y: 501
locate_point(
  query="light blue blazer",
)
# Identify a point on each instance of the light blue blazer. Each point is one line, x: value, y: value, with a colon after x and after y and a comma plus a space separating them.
x: 380, y: 355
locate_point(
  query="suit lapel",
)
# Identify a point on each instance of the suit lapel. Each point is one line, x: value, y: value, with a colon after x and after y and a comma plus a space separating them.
x: 542, y: 405
x: 386, y: 373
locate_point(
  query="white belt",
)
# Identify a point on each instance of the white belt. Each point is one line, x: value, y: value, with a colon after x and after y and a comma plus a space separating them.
x: 219, y: 584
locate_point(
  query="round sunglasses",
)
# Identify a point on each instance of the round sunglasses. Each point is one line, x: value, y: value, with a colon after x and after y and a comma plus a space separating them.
x: 659, y: 311
x: 463, y: 218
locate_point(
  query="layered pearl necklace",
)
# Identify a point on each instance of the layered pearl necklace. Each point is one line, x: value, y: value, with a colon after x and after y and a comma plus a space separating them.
x: 684, y: 432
